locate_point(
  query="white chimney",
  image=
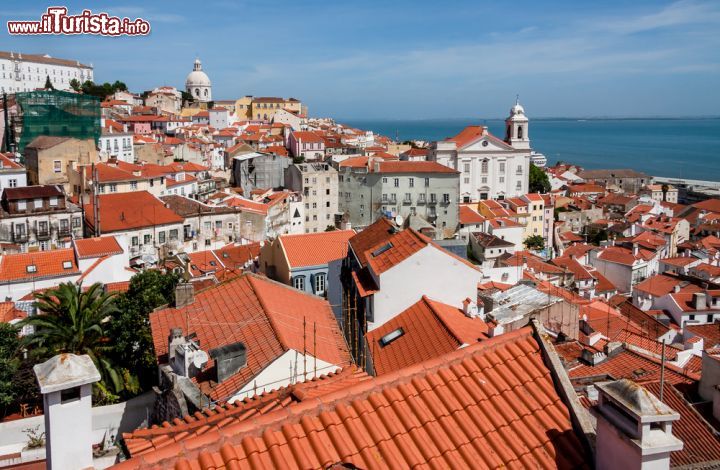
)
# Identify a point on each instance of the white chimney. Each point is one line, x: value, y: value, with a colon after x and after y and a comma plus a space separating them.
x: 66, y: 385
x: 470, y: 308
x: 634, y: 428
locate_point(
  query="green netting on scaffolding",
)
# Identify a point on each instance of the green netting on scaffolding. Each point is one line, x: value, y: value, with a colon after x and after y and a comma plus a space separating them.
x: 58, y: 113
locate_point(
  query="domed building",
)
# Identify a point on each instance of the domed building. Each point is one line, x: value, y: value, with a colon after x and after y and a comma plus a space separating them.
x: 198, y: 84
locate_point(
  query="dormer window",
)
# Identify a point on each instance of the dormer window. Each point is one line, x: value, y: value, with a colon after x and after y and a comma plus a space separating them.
x: 67, y: 264
x: 392, y: 336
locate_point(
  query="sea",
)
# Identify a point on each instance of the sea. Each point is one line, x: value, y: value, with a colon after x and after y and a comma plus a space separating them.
x: 684, y: 148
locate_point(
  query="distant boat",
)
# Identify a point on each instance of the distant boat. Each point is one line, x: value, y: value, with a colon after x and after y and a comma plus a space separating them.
x: 538, y: 159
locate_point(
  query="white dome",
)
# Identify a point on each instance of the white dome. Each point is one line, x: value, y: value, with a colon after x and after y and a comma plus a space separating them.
x: 197, y: 77
x: 517, y: 109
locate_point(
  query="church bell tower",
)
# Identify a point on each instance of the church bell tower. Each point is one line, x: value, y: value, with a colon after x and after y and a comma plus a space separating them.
x: 516, y: 127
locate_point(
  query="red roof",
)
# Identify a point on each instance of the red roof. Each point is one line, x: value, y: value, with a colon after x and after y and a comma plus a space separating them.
x: 662, y: 284
x: 490, y: 405
x: 8, y: 312
x: 631, y: 365
x: 143, y: 441
x: 472, y: 133
x: 469, y: 216
x: 265, y: 315
x: 619, y: 255
x: 127, y: 211
x: 97, y: 247
x: 38, y: 265
x: 397, y: 166
x: 700, y: 441
x: 315, y: 249
x: 308, y: 136
x: 429, y: 329
x: 402, y: 245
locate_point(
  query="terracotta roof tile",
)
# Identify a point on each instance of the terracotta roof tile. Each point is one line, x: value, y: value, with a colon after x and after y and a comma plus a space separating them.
x: 634, y: 366
x: 38, y: 265
x: 9, y: 313
x: 127, y: 211
x: 490, y: 405
x: 429, y: 329
x: 265, y: 315
x: 97, y: 247
x: 314, y: 249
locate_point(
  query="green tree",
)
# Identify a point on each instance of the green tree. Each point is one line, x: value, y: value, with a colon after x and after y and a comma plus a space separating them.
x: 75, y: 84
x: 534, y: 242
x: 119, y: 86
x: 330, y: 228
x: 76, y: 321
x: 48, y: 83
x: 9, y: 363
x: 538, y: 180
x: 130, y: 324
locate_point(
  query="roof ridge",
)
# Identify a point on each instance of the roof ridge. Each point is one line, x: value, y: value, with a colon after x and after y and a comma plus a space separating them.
x: 429, y: 302
x: 251, y: 278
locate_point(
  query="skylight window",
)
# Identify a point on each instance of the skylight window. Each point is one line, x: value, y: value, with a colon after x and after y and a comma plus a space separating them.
x: 382, y: 249
x: 31, y: 268
x: 67, y: 264
x: 392, y: 336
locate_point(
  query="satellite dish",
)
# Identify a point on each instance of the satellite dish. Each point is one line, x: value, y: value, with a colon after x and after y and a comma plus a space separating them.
x: 399, y: 220
x: 200, y: 358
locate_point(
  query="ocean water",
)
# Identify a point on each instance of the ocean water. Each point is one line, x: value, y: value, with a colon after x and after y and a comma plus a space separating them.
x: 679, y: 148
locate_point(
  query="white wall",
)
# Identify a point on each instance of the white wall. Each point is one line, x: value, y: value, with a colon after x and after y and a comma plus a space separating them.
x: 283, y: 371
x: 430, y: 272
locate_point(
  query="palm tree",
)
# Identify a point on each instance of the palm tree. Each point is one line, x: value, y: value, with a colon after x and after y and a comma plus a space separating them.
x: 75, y: 321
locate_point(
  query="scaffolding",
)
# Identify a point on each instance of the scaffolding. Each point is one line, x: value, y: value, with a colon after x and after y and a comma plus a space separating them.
x: 56, y: 113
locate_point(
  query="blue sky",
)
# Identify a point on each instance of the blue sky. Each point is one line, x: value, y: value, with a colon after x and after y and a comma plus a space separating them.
x: 414, y: 58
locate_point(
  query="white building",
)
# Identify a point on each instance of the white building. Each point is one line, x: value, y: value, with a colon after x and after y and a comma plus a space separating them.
x: 12, y: 174
x: 490, y: 168
x: 198, y: 83
x: 118, y: 145
x: 26, y: 72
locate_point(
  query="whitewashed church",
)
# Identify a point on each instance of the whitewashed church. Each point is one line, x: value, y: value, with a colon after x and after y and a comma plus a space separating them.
x: 490, y: 168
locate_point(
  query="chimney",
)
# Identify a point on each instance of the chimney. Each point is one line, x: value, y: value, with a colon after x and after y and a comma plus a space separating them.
x: 635, y: 249
x: 66, y: 385
x: 634, y: 428
x: 229, y: 360
x: 184, y: 294
x: 593, y: 358
x: 613, y: 348
x: 487, y: 302
x: 175, y: 338
x: 470, y: 308
x: 699, y: 301
x: 676, y: 289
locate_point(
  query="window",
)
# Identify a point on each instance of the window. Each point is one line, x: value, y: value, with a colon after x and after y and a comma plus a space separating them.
x: 113, y: 187
x: 147, y: 239
x: 133, y: 185
x: 427, y: 182
x: 320, y: 284
x: 76, y: 222
x: 31, y: 268
x: 38, y: 203
x: 173, y: 235
x: 390, y: 337
x: 433, y: 197
x: 484, y: 166
x: 12, y: 183
x: 22, y: 205
x: 421, y: 198
x: 412, y: 182
x: 501, y: 179
x: 384, y: 180
x: 135, y: 241
x: 466, y: 180
x: 161, y: 237
x: 53, y: 201
x: 502, y: 167
x: 396, y: 182
x: 446, y: 198
x: 57, y: 166
x: 466, y: 167
x: 327, y: 192
x: 299, y: 282
x: 67, y: 265
x: 483, y: 180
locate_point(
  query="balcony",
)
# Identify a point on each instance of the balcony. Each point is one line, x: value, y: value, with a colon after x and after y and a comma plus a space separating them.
x: 433, y: 202
x: 421, y: 202
x: 42, y: 235
x: 407, y: 202
x: 19, y: 237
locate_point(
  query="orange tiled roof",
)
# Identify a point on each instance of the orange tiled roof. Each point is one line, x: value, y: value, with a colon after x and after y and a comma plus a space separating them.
x: 388, y: 254
x: 397, y: 166
x: 265, y: 315
x: 469, y: 216
x: 430, y: 329
x: 472, y: 133
x: 634, y: 366
x: 662, y: 284
x: 8, y: 312
x: 128, y: 211
x: 143, y: 441
x: 490, y: 405
x: 48, y: 264
x: 97, y: 247
x: 314, y: 249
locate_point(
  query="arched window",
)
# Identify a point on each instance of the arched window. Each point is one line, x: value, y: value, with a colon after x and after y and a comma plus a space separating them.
x: 197, y: 92
x: 206, y: 92
x: 520, y: 132
x: 484, y: 166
